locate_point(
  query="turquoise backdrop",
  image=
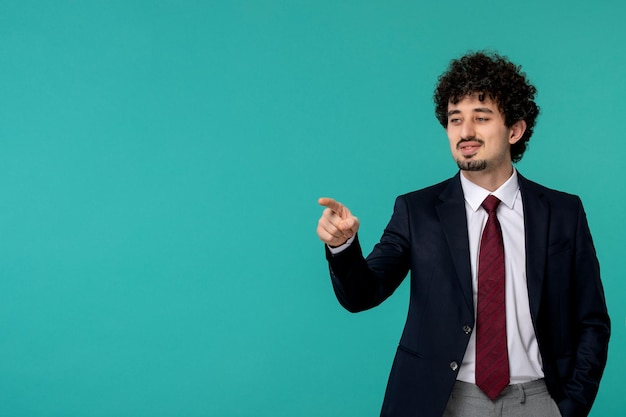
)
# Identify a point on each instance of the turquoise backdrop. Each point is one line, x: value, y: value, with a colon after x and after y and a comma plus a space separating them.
x: 160, y: 163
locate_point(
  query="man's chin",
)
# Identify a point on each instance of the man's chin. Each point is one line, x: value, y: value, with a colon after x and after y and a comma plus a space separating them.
x: 472, y: 165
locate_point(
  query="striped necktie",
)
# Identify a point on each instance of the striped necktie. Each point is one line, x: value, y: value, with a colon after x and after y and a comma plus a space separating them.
x: 492, y: 359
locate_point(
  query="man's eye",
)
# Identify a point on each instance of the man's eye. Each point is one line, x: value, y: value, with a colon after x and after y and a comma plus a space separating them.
x: 481, y: 119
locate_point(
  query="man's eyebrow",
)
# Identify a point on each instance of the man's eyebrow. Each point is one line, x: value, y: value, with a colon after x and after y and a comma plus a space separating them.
x: 476, y: 110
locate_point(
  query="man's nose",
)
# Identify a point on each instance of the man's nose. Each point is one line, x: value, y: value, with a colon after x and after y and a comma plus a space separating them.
x: 467, y: 130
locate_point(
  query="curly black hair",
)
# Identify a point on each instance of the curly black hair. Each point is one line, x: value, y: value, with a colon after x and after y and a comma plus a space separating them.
x: 492, y: 76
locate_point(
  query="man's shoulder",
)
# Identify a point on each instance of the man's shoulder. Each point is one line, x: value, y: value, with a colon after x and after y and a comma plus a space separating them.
x: 531, y: 187
x: 432, y: 191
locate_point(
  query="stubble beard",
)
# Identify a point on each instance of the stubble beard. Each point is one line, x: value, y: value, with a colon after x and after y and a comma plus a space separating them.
x: 472, y: 165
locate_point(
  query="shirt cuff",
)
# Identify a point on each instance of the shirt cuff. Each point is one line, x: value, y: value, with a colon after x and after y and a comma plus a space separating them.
x: 339, y: 249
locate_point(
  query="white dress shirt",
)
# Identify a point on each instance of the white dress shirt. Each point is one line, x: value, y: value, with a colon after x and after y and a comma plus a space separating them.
x: 524, y: 358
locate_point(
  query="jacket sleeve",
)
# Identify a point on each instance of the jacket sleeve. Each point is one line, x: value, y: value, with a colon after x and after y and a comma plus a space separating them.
x: 361, y: 283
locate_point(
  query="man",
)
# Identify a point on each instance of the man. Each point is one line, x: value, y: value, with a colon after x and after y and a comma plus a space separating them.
x: 507, y: 315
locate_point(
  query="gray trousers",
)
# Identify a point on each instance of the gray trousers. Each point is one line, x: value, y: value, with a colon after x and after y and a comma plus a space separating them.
x: 530, y: 399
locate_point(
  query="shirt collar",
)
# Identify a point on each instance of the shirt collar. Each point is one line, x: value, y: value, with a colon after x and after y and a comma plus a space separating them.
x: 475, y: 195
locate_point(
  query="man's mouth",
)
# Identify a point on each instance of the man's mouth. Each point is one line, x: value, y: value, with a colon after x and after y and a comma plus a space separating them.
x: 469, y: 147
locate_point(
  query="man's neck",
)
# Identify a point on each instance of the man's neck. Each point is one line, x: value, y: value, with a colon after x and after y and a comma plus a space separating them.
x: 487, y: 179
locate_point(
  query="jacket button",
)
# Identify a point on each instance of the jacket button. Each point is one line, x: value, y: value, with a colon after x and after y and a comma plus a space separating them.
x: 454, y: 366
x: 467, y: 329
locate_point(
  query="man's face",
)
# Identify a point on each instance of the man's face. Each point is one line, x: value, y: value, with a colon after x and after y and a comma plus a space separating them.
x: 479, y: 139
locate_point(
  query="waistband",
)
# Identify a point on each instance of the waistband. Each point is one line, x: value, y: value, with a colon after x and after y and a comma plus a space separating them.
x: 516, y: 391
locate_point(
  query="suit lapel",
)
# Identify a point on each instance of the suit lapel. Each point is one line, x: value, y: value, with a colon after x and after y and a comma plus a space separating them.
x: 536, y: 215
x: 451, y: 211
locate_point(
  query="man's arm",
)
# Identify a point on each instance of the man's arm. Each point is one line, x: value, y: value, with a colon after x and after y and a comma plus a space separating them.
x: 361, y: 284
x: 593, y: 326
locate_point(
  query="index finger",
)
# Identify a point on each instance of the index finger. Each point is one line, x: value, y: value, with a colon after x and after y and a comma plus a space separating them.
x: 332, y: 204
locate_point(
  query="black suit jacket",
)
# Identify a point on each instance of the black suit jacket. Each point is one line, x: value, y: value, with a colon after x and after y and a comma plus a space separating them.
x: 427, y: 235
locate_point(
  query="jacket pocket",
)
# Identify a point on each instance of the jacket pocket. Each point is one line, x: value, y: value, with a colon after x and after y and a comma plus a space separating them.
x: 410, y: 351
x: 559, y: 247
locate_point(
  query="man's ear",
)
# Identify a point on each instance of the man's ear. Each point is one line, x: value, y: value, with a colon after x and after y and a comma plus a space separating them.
x: 517, y: 131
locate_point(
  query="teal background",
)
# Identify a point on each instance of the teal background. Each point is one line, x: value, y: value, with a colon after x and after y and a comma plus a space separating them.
x: 160, y: 163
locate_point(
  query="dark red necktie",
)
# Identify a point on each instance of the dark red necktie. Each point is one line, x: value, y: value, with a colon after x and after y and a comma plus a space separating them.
x: 492, y: 359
